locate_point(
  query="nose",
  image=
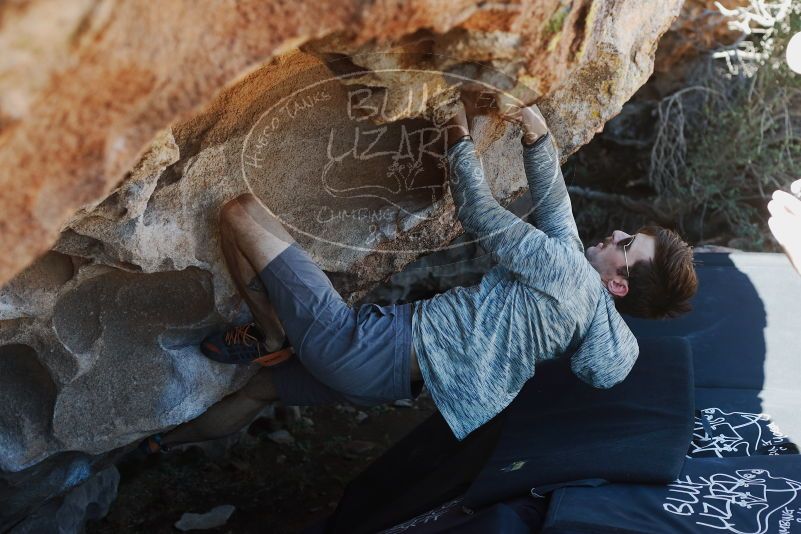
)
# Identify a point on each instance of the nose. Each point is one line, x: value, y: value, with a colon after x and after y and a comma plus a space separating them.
x: 618, y: 236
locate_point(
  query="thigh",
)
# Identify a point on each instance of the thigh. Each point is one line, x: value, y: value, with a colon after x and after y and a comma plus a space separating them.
x: 362, y: 353
x: 256, y: 232
x: 296, y: 386
x: 302, y: 294
x: 366, y: 353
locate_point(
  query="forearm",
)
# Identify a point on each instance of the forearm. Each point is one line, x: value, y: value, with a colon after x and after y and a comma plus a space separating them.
x: 476, y: 208
x: 525, y: 250
x: 552, y: 212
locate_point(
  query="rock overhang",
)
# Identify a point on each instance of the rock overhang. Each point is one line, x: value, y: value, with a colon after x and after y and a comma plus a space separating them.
x: 124, y: 81
x: 122, y: 148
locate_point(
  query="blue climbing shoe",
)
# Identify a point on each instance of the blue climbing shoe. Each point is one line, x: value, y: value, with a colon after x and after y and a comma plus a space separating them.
x: 244, y: 344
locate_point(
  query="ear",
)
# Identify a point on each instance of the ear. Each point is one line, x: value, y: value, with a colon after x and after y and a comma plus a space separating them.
x: 618, y: 286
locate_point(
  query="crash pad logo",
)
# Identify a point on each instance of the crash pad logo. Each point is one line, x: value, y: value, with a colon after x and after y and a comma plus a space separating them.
x: 426, y: 518
x: 720, y: 434
x: 749, y: 501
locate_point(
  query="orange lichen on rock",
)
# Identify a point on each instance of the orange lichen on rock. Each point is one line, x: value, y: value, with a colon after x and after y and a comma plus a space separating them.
x: 124, y: 126
x: 87, y: 84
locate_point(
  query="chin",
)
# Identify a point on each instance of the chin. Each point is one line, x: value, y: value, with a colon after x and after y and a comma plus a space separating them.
x: 592, y: 257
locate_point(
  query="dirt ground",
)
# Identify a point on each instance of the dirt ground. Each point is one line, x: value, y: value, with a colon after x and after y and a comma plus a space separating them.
x: 276, y: 488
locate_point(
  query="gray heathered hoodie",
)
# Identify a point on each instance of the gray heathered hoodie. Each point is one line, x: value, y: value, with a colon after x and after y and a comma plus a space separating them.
x: 478, y: 345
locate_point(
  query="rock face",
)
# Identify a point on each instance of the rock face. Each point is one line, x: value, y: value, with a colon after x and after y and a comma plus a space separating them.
x: 88, y: 502
x: 104, y: 85
x: 123, y: 129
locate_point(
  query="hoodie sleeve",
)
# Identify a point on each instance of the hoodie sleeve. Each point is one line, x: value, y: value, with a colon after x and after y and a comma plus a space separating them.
x: 609, y: 349
x: 552, y: 212
x: 547, y: 264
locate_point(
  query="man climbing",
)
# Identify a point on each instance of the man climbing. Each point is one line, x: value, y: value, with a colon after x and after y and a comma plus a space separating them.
x: 473, y: 347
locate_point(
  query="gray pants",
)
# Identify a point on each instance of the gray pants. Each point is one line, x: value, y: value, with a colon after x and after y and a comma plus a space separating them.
x: 360, y: 356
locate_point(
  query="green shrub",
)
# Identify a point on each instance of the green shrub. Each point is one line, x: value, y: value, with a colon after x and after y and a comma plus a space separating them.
x: 733, y: 135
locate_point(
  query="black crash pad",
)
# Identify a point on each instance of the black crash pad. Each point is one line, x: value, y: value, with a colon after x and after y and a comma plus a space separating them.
x: 745, y: 334
x: 558, y: 430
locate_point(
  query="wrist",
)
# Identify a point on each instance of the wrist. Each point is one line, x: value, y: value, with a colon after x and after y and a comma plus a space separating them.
x: 456, y: 133
x: 452, y: 142
x: 457, y: 127
x: 531, y: 139
x: 534, y: 130
x: 534, y: 125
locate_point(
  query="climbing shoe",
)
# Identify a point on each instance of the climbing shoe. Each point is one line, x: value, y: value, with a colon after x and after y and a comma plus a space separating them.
x: 244, y: 344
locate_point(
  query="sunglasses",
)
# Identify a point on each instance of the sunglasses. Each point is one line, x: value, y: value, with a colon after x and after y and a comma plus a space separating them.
x: 626, y: 243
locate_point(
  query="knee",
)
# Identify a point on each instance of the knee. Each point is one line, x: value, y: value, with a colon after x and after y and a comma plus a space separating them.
x: 233, y: 210
x: 236, y: 206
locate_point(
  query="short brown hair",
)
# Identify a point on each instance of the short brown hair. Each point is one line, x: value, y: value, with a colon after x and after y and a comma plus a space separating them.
x: 661, y: 288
